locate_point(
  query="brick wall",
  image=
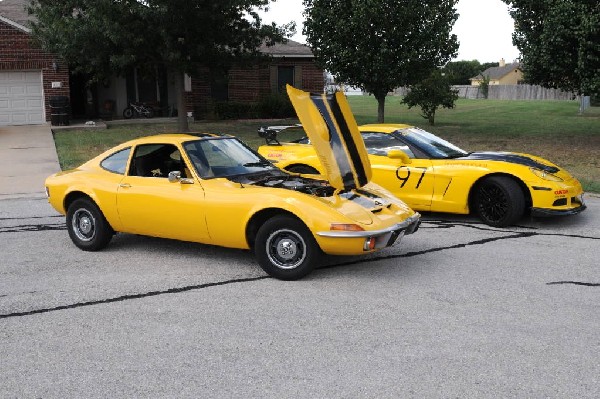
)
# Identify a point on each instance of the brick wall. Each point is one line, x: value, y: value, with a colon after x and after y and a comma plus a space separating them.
x: 18, y: 52
x: 250, y: 84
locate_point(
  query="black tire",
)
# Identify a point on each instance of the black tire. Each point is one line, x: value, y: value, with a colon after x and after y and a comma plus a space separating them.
x: 499, y: 201
x: 128, y: 113
x: 149, y: 113
x: 304, y: 169
x: 285, y: 248
x: 87, y: 226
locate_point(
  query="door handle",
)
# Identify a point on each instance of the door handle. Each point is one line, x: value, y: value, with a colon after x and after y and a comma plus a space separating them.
x: 125, y: 185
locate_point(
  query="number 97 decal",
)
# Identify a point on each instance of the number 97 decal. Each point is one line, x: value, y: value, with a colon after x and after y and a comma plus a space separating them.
x: 403, y: 174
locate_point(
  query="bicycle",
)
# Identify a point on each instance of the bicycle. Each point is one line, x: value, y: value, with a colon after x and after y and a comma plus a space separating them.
x: 138, y: 110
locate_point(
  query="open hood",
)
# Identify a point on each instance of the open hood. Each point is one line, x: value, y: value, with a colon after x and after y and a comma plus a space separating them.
x: 332, y: 130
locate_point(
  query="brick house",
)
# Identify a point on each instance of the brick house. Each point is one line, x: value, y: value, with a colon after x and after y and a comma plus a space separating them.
x: 29, y: 77
x: 289, y: 63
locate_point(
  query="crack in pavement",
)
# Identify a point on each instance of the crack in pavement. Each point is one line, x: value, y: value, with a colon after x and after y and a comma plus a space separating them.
x: 132, y: 296
x: 574, y: 283
x: 444, y: 224
x: 32, y: 227
x: 436, y: 224
x: 430, y: 250
x: 34, y: 217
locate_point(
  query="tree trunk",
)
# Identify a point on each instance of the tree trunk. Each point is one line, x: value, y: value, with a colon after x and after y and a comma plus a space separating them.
x: 380, y: 107
x: 431, y: 119
x: 182, y: 121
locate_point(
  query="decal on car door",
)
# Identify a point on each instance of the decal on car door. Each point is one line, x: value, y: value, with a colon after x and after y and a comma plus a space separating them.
x: 332, y: 129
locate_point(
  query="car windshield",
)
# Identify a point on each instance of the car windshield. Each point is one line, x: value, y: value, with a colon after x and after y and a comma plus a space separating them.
x: 429, y: 143
x: 381, y: 143
x: 224, y: 157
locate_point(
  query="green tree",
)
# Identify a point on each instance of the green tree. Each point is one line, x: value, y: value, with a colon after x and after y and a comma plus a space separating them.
x: 106, y: 37
x: 487, y: 65
x: 459, y: 72
x: 559, y: 42
x: 430, y: 94
x: 484, y: 85
x: 381, y: 45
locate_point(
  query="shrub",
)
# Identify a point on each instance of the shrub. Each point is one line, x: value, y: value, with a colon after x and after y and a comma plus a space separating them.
x: 275, y: 106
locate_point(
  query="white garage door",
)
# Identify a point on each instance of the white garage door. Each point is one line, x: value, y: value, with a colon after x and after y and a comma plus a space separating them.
x: 21, y: 98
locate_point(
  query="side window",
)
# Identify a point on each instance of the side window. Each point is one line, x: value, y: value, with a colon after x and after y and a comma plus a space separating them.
x: 381, y: 143
x: 117, y: 162
x: 156, y: 160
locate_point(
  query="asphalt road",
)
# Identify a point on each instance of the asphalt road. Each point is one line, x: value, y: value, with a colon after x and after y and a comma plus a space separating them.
x: 460, y: 310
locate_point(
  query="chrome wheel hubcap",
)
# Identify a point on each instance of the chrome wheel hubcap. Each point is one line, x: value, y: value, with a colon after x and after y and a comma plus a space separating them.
x: 286, y: 249
x: 83, y: 225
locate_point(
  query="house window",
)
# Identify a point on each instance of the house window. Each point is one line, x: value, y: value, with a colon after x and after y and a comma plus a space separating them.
x: 285, y: 76
x: 219, y: 87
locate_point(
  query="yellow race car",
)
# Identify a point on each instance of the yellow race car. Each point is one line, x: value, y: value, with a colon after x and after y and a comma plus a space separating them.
x: 431, y: 174
x: 214, y: 189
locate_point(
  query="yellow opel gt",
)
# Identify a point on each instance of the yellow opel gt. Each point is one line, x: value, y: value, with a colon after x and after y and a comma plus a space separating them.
x: 214, y: 189
x: 431, y: 174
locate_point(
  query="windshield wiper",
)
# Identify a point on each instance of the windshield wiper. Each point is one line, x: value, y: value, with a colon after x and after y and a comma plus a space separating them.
x: 457, y: 155
x: 260, y: 163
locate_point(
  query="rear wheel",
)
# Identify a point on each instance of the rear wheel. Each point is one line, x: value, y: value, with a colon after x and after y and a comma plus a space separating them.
x: 285, y: 248
x: 499, y: 201
x: 304, y: 169
x: 87, y: 226
x: 128, y: 113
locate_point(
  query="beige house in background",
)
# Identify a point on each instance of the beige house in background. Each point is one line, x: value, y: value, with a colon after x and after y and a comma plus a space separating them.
x: 505, y: 74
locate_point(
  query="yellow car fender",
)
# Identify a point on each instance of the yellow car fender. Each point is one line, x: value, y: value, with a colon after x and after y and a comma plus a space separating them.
x: 105, y: 198
x: 229, y: 227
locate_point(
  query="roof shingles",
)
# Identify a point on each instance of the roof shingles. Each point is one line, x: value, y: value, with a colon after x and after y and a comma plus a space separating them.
x: 498, y: 72
x: 15, y: 10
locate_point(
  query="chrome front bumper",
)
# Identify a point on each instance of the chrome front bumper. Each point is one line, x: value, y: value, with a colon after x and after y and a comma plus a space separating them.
x: 377, y: 239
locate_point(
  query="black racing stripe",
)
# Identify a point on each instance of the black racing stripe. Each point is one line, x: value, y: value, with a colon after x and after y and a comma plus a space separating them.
x: 511, y: 158
x: 350, y: 143
x: 337, y: 146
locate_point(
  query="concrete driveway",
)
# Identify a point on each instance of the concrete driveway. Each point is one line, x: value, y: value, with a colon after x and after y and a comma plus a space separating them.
x: 27, y: 157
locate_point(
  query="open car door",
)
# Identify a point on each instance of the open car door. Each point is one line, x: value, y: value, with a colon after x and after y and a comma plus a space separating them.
x: 331, y: 127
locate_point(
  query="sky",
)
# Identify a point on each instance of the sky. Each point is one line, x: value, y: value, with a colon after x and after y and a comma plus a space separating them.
x: 484, y: 28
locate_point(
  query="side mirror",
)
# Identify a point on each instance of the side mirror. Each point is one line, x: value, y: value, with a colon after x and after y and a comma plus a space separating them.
x: 175, y: 176
x: 399, y: 154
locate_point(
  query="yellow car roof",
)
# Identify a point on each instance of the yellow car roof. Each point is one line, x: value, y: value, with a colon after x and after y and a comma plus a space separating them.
x: 171, y: 137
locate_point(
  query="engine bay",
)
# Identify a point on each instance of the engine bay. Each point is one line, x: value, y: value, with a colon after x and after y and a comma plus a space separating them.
x: 277, y: 179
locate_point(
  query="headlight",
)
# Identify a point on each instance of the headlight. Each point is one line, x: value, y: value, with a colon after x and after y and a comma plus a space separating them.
x: 544, y: 175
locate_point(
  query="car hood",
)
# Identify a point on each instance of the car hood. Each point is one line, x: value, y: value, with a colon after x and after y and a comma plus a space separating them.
x: 332, y: 129
x: 511, y: 157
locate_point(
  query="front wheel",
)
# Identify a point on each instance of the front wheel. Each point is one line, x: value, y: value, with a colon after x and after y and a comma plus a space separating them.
x: 128, y: 113
x: 149, y: 113
x: 87, y: 226
x: 499, y: 201
x: 285, y: 248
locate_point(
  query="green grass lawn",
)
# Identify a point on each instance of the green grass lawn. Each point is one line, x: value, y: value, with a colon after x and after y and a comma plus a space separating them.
x: 551, y: 129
